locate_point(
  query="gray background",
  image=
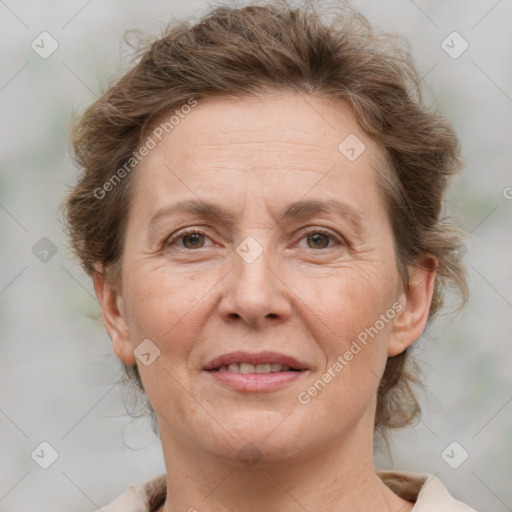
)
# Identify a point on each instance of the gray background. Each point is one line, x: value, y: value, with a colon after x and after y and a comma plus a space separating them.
x: 58, y: 375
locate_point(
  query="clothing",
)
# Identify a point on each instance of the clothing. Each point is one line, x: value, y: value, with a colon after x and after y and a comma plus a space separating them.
x: 423, y: 489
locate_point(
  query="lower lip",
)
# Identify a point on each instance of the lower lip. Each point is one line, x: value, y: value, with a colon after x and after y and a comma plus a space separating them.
x: 256, y: 381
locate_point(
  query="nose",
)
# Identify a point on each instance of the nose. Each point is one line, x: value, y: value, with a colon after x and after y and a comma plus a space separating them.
x: 254, y: 290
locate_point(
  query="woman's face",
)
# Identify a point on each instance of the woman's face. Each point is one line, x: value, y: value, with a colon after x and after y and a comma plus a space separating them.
x: 302, y: 284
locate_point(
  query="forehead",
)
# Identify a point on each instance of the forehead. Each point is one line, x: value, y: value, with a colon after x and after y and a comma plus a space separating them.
x: 280, y: 122
x: 283, y: 143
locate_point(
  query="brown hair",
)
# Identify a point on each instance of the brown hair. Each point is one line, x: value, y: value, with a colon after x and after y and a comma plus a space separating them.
x: 243, y: 52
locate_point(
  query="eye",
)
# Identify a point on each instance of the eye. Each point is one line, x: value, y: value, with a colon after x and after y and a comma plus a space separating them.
x: 192, y: 239
x: 318, y: 238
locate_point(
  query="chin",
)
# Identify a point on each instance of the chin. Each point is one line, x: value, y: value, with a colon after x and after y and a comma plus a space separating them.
x: 259, y: 436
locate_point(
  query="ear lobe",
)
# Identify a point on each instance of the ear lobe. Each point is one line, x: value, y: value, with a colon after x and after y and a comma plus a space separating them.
x: 410, y: 323
x: 112, y: 308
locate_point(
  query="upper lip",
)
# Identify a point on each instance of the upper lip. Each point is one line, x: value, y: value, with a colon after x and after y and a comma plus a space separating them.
x: 255, y: 358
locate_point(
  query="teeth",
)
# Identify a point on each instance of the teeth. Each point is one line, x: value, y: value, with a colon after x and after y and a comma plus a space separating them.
x: 263, y: 368
x: 251, y: 368
x: 247, y: 368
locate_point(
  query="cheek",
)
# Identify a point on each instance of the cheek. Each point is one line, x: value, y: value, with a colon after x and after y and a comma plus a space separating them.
x: 157, y: 298
x: 352, y: 332
x: 164, y: 307
x: 350, y: 300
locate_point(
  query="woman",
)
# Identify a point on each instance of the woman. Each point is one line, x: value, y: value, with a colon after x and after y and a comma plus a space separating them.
x: 260, y: 211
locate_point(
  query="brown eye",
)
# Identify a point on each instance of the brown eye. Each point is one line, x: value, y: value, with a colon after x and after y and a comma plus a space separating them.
x: 318, y: 240
x: 194, y: 239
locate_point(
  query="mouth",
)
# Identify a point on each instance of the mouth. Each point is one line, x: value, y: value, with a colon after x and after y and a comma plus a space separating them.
x: 248, y: 368
x: 263, y: 371
x: 258, y: 362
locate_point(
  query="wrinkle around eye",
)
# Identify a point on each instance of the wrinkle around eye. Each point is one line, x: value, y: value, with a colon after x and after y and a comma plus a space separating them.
x: 169, y: 243
x: 335, y: 240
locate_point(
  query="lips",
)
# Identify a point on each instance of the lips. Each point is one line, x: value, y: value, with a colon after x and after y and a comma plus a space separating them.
x: 248, y: 372
x: 261, y: 362
x: 248, y: 368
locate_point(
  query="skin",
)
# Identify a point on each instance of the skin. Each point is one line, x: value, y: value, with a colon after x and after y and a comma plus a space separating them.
x: 308, y: 297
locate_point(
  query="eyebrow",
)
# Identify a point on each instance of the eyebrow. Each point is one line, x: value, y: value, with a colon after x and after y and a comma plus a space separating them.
x: 296, y: 210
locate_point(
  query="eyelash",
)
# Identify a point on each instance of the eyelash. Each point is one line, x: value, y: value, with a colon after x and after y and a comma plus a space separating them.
x: 195, y: 231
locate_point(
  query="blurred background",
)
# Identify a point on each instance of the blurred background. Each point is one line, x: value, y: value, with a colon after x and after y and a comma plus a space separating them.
x: 58, y: 376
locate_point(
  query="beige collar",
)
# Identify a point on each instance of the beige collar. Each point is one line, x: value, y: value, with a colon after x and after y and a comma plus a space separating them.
x: 425, y: 490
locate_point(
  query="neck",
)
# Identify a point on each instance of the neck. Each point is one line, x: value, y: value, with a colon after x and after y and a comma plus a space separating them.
x: 339, y: 476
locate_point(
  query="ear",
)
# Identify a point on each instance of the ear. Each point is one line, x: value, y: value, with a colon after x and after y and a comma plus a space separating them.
x: 415, y: 299
x: 114, y: 318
